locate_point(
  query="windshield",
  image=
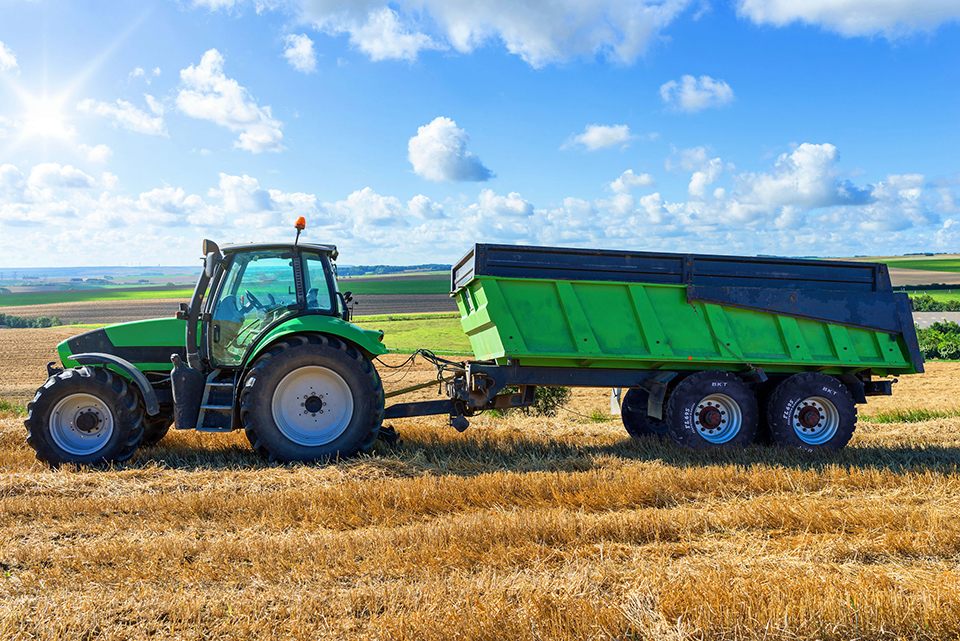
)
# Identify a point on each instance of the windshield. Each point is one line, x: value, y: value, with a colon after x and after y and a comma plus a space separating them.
x: 257, y: 291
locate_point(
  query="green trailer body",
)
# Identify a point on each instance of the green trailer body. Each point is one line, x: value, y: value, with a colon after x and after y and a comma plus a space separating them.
x: 551, y: 307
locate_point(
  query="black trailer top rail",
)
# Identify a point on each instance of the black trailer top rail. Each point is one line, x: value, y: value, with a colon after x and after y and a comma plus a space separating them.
x: 559, y: 263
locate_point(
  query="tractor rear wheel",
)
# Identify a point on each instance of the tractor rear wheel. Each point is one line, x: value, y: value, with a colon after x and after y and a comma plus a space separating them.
x: 633, y: 413
x: 87, y: 416
x: 812, y: 411
x: 311, y: 398
x: 712, y: 409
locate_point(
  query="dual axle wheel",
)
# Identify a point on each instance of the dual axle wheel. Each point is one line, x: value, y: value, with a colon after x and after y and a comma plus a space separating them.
x: 712, y: 409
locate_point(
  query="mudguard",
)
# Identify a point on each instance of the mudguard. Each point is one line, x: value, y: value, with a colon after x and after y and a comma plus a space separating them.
x: 97, y: 358
x: 366, y: 340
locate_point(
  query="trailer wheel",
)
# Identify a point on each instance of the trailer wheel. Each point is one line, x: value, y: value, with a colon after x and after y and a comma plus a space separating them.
x: 712, y: 409
x: 312, y: 398
x: 155, y: 428
x: 812, y: 411
x: 87, y: 416
x: 633, y: 412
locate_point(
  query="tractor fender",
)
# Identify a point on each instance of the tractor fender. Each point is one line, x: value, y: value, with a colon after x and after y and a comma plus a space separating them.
x: 98, y: 358
x: 367, y: 341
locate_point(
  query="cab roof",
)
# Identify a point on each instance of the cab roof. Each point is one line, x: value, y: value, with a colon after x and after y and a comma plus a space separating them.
x: 327, y: 249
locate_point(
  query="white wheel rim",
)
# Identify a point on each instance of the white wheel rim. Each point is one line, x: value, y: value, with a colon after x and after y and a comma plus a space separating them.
x: 312, y: 406
x: 821, y: 430
x: 81, y: 424
x: 726, y: 413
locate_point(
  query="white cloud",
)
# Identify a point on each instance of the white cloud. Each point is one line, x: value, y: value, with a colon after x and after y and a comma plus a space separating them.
x: 4, y: 124
x: 109, y: 181
x: 125, y: 115
x: 207, y: 94
x: 98, y: 154
x: 422, y: 207
x: 215, y: 5
x: 383, y: 37
x: 155, y: 105
x: 137, y: 72
x: 807, y: 177
x: 169, y: 206
x: 854, y: 17
x: 367, y: 208
x: 539, y: 31
x: 8, y: 61
x: 439, y: 152
x: 629, y: 180
x: 511, y: 205
x: 599, y: 137
x: 696, y: 94
x: 51, y: 175
x: 300, y: 53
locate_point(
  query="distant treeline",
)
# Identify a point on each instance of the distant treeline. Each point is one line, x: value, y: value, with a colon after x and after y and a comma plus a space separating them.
x: 18, y: 322
x: 366, y: 270
x: 940, y: 340
x: 927, y: 303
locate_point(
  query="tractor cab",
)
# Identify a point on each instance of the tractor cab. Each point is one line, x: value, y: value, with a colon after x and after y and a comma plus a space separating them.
x: 257, y: 287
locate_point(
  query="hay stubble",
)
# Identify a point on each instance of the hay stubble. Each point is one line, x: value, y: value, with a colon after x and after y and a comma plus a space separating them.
x: 519, y: 528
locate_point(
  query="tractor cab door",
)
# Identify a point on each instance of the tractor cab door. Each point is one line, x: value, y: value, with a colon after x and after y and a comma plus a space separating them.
x: 258, y: 289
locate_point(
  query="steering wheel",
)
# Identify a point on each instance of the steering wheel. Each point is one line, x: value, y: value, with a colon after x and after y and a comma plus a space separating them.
x: 253, y: 299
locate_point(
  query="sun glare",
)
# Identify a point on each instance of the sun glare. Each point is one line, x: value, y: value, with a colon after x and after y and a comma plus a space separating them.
x: 43, y: 117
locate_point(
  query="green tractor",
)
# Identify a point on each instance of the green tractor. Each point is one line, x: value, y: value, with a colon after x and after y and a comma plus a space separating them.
x: 269, y: 349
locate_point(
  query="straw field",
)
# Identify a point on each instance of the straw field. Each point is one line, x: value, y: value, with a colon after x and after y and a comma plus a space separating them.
x: 519, y: 528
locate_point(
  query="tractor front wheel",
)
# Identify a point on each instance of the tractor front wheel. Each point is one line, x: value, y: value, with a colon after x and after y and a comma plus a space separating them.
x: 87, y: 416
x: 311, y: 398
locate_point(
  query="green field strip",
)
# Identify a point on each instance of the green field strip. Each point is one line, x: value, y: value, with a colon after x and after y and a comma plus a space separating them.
x: 88, y: 295
x: 933, y: 265
x: 439, y: 285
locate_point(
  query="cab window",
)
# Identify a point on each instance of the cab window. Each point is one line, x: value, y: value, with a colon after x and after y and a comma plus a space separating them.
x: 257, y: 291
x: 315, y: 283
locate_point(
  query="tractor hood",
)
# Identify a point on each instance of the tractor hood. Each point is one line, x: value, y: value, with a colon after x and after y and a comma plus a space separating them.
x: 147, y: 344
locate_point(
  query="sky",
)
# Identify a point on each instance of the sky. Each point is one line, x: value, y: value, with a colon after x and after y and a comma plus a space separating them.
x: 406, y: 131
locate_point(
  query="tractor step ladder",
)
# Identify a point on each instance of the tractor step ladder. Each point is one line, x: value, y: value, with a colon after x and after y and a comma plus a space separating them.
x: 216, y: 408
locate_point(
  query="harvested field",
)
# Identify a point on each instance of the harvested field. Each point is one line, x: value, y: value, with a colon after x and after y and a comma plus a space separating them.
x: 520, y: 528
x: 120, y: 311
x: 900, y: 276
x: 25, y: 355
x: 106, y: 311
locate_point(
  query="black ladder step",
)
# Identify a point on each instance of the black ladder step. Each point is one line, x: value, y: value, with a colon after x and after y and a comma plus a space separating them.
x: 219, y: 384
x: 217, y: 408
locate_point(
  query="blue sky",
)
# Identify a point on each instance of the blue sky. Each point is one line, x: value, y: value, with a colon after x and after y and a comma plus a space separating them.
x: 406, y: 131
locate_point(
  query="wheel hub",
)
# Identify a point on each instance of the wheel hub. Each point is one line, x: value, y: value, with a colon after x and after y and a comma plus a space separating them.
x: 313, y: 404
x: 81, y: 424
x: 809, y: 417
x: 87, y: 422
x: 717, y: 418
x: 710, y: 417
x: 815, y: 420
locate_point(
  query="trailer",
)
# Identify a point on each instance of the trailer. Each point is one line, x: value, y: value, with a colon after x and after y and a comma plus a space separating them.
x: 715, y: 351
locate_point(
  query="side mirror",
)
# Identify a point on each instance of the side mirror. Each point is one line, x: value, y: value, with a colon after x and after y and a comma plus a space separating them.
x: 210, y: 264
x: 348, y: 296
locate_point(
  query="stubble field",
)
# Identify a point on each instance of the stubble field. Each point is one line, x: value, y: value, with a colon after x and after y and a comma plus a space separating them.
x: 520, y: 528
